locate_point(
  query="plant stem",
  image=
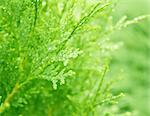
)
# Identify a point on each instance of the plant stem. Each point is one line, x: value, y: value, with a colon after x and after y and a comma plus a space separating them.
x: 36, y: 11
x: 6, y: 103
x: 100, y: 84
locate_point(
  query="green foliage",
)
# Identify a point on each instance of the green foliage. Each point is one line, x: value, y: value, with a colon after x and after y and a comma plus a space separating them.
x: 133, y: 57
x: 54, y: 57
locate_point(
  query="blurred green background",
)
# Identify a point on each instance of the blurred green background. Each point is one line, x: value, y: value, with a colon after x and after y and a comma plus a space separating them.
x: 131, y: 61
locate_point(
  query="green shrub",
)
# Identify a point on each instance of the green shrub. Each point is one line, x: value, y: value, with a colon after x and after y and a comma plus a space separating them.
x: 54, y: 56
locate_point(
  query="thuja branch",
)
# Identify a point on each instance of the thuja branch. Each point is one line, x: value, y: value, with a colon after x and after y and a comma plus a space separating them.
x: 100, y: 84
x: 82, y: 21
x: 15, y: 89
x: 6, y: 102
x: 109, y: 99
